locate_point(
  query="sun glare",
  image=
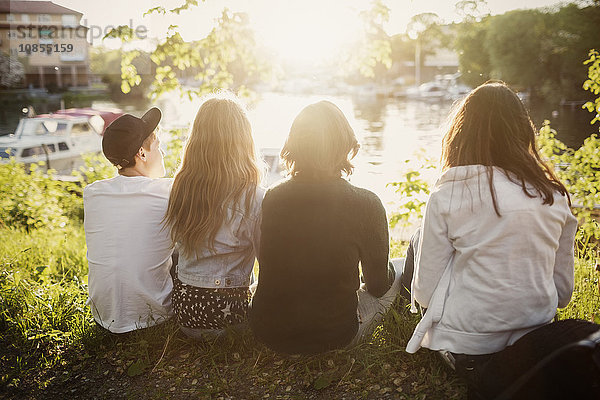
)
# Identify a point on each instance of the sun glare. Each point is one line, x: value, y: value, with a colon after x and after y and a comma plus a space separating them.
x: 307, y: 32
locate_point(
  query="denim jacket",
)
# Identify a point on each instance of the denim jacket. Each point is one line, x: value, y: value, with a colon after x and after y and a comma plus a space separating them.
x: 235, y: 249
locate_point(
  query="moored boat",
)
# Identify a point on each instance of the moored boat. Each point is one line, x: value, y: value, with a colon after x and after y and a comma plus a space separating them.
x: 59, y: 139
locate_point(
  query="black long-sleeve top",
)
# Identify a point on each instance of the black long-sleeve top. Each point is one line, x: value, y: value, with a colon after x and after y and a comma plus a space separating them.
x: 313, y: 236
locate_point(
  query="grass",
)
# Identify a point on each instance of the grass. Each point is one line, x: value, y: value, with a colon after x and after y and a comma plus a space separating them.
x: 51, y: 348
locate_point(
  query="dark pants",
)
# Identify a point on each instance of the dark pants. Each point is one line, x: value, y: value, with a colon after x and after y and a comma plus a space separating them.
x: 487, y: 376
x: 409, y: 264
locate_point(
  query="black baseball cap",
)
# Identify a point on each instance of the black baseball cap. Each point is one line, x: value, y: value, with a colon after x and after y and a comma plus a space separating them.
x: 124, y: 136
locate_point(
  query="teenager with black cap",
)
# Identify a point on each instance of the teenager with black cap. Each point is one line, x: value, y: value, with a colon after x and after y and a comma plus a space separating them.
x: 129, y: 252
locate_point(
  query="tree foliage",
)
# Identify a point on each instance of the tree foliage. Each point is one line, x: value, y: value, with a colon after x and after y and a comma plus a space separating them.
x: 372, y: 55
x: 517, y: 47
x: 537, y: 50
x: 34, y: 199
x: 227, y: 58
x: 472, y: 10
x: 107, y: 65
x: 579, y: 170
x: 592, y: 84
x: 474, y: 59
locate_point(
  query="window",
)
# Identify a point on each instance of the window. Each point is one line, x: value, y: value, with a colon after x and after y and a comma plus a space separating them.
x: 39, y: 150
x: 45, y: 33
x: 34, y: 126
x: 80, y: 129
x: 69, y: 20
x: 33, y: 151
x: 62, y: 146
x: 12, y: 34
x: 10, y: 17
x: 25, y: 17
x: 44, y: 18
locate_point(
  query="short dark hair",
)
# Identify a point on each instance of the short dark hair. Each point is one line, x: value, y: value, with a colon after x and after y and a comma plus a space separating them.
x: 320, y: 142
x: 146, y: 145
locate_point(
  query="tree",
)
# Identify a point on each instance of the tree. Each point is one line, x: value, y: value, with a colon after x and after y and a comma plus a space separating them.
x: 576, y: 30
x: 11, y: 71
x: 531, y: 49
x: 473, y: 56
x: 426, y: 30
x: 592, y: 84
x: 517, y: 44
x: 426, y: 27
x: 472, y: 10
x: 107, y: 64
x: 372, y: 55
x: 229, y: 48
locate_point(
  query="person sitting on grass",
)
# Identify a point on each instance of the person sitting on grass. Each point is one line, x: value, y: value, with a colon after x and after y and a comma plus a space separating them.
x: 128, y: 249
x: 495, y: 257
x: 316, y: 230
x: 214, y: 218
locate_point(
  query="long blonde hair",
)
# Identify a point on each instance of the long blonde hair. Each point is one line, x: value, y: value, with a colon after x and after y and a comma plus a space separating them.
x: 219, y: 170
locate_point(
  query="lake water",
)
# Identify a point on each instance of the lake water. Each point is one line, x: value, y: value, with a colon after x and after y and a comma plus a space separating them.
x: 391, y: 131
x: 395, y: 134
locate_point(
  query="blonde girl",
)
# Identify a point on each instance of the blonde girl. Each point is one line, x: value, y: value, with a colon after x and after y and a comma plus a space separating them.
x: 214, y: 218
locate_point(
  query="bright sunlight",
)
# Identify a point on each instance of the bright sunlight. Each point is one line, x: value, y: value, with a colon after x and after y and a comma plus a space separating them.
x: 307, y: 34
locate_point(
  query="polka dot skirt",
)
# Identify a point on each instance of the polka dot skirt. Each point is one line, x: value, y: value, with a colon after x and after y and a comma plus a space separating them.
x: 207, y: 308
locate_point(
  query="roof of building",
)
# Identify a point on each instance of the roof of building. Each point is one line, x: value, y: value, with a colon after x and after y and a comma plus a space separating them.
x: 34, y: 7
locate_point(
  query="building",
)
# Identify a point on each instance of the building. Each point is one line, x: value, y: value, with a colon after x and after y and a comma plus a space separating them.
x: 49, y: 40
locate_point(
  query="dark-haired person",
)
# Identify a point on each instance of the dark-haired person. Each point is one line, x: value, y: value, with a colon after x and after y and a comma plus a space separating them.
x: 128, y: 250
x: 495, y: 258
x: 316, y: 230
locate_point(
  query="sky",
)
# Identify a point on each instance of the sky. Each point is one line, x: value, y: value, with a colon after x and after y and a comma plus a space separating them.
x: 297, y: 27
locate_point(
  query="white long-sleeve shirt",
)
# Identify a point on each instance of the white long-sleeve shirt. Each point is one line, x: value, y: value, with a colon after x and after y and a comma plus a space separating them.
x: 508, y: 274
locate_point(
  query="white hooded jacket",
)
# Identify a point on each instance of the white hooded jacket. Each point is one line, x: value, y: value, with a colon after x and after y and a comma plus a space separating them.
x: 502, y: 276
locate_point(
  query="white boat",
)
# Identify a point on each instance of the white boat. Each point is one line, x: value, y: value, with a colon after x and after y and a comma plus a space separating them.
x: 428, y: 90
x: 275, y: 171
x: 58, y: 139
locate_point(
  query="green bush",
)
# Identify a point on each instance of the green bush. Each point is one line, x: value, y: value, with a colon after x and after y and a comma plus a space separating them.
x: 414, y: 191
x: 174, y: 151
x: 31, y: 200
x: 96, y: 167
x: 579, y: 170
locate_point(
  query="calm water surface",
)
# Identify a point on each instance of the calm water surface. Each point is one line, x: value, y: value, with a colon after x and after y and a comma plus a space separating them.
x: 390, y: 131
x: 396, y: 135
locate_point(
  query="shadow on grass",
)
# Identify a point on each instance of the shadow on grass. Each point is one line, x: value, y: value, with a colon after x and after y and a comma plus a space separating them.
x: 161, y: 362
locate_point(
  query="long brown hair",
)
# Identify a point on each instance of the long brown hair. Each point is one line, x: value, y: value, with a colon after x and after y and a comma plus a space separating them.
x: 219, y: 169
x: 492, y: 127
x: 321, y: 142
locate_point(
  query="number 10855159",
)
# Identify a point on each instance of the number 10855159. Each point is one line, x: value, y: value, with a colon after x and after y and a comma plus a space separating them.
x: 45, y: 48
